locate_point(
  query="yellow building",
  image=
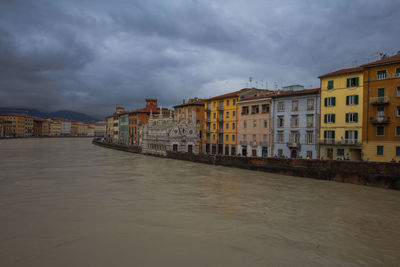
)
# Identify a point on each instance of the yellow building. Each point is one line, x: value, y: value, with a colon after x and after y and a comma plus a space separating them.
x: 193, y: 109
x: 21, y: 124
x: 221, y: 121
x: 341, y: 114
x: 54, y: 127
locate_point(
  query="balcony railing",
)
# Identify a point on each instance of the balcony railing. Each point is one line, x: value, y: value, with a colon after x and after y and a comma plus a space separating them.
x: 220, y: 141
x: 293, y: 144
x: 253, y: 143
x: 343, y: 142
x: 221, y: 130
x: 221, y: 108
x: 208, y: 119
x: 263, y: 143
x: 379, y: 100
x: 379, y: 120
x: 221, y: 119
x: 245, y: 113
x: 243, y: 143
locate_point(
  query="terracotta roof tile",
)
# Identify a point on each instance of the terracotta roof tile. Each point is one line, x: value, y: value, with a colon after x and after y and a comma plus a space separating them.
x: 384, y: 61
x: 235, y: 93
x: 342, y: 71
x: 292, y: 93
x: 195, y: 102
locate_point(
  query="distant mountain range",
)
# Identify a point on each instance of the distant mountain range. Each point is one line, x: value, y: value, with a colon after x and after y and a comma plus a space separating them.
x: 66, y: 114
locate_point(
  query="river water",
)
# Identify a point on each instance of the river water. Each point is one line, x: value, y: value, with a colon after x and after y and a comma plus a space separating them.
x: 66, y: 202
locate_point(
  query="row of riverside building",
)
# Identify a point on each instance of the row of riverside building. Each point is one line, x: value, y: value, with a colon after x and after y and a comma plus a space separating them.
x: 23, y: 125
x: 354, y: 115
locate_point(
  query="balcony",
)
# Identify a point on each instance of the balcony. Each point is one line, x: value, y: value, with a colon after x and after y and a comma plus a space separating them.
x: 263, y: 143
x: 245, y: 113
x: 221, y: 119
x: 220, y: 141
x: 221, y: 130
x: 343, y: 142
x: 293, y: 144
x: 253, y: 143
x: 380, y: 100
x: 208, y: 119
x: 379, y: 120
x: 221, y: 108
x: 243, y: 143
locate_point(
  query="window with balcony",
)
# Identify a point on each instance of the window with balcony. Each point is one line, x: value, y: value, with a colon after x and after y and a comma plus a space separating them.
x: 295, y: 105
x: 351, y: 117
x: 380, y: 130
x: 310, y: 104
x: 281, y: 106
x: 329, y: 136
x: 329, y: 118
x: 294, y: 121
x: 255, y: 109
x: 352, y: 82
x: 351, y: 137
x: 381, y: 75
x: 309, y: 137
x: 330, y: 85
x: 280, y: 121
x: 330, y: 101
x: 265, y: 108
x: 245, y: 110
x: 352, y: 100
x: 294, y: 137
x: 379, y: 150
x: 310, y: 121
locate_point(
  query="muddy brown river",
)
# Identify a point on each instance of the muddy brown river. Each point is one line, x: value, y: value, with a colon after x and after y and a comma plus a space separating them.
x: 66, y: 202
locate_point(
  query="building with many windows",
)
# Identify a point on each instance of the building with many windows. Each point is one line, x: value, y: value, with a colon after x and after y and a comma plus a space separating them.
x: 112, y: 126
x: 381, y: 130
x: 123, y: 130
x: 341, y: 114
x: 254, y: 126
x: 21, y: 124
x: 295, y: 116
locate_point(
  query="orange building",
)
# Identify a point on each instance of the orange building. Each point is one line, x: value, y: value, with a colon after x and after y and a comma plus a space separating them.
x: 5, y: 128
x: 38, y: 126
x: 381, y: 131
x: 193, y: 109
x: 21, y: 124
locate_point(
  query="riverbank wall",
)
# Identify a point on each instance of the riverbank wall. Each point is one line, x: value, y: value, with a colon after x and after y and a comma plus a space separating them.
x: 377, y: 174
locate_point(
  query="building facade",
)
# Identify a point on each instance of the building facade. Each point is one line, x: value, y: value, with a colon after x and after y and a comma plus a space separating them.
x: 100, y: 129
x: 296, y: 123
x: 193, y: 109
x: 112, y: 126
x: 381, y: 132
x: 65, y: 127
x: 254, y: 126
x: 342, y: 114
x: 5, y: 128
x: 123, y: 130
x: 161, y: 134
x: 21, y: 124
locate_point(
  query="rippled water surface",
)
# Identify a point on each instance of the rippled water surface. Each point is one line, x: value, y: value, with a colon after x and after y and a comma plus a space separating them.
x: 66, y: 202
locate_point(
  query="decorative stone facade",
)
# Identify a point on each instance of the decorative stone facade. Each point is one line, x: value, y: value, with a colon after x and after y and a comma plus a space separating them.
x: 162, y: 134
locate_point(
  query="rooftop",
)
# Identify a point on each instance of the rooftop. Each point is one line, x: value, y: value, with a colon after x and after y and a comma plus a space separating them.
x: 342, y: 71
x: 235, y: 93
x: 384, y: 61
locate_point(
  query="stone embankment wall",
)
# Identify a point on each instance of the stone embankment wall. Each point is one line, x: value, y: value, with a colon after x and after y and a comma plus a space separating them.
x: 378, y: 174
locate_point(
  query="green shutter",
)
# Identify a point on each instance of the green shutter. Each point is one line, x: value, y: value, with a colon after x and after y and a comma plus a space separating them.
x: 348, y: 82
x: 347, y: 117
x: 333, y: 118
x: 356, y: 135
x: 346, y: 134
x: 356, y: 117
x: 325, y: 134
x: 333, y: 134
x: 325, y: 118
x: 326, y: 101
x: 357, y: 79
x: 347, y: 100
x: 333, y: 101
x: 356, y: 99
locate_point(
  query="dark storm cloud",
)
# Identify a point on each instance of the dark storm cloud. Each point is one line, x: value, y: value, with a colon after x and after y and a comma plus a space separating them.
x: 90, y: 56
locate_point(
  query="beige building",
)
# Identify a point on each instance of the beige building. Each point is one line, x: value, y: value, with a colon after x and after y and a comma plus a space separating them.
x: 254, y: 126
x: 112, y: 126
x: 83, y: 129
x: 54, y: 127
x: 100, y: 129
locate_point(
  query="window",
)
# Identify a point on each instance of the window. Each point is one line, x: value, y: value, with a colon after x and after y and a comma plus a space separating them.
x: 398, y: 111
x: 227, y: 126
x: 398, y: 91
x: 254, y: 124
x: 254, y: 138
x: 280, y: 121
x: 227, y: 102
x: 214, y: 115
x: 264, y: 108
x: 226, y: 137
x: 254, y: 109
x: 279, y: 137
x: 330, y: 85
x: 397, y: 151
x: 310, y: 121
x: 213, y: 136
x: 280, y: 152
x: 329, y: 118
x: 227, y: 114
x: 381, y: 75
x: 398, y: 72
x: 221, y: 104
x: 330, y: 101
x: 397, y: 130
x: 381, y: 92
x: 245, y: 110
x: 294, y: 121
x: 310, y: 137
x: 233, y: 113
x: 351, y: 117
x: 281, y: 106
x: 310, y: 104
x: 340, y: 152
x: 233, y: 137
x: 233, y: 126
x: 309, y: 154
x: 244, y: 138
x: 233, y: 102
x: 380, y: 131
x: 244, y: 124
x: 265, y: 123
x: 379, y: 150
x: 352, y: 82
x: 351, y: 137
x: 295, y: 105
x: 213, y: 126
x: 329, y: 135
x: 215, y: 104
x: 352, y: 100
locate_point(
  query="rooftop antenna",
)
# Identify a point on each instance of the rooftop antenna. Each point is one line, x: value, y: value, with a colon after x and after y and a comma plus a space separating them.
x: 250, y: 80
x: 276, y: 85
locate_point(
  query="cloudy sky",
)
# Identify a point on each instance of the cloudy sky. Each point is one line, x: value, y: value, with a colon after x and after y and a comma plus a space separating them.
x: 90, y: 56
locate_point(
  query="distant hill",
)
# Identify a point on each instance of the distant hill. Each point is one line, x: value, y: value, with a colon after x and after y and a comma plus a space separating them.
x: 67, y: 114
